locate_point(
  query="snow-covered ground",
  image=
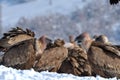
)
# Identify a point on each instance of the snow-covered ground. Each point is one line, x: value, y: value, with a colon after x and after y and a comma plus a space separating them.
x: 13, y: 74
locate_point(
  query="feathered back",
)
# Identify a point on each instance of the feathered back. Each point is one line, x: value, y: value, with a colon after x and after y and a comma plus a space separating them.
x: 16, y: 31
x: 104, y: 59
x: 51, y: 59
x: 21, y: 55
x: 14, y: 36
x: 76, y: 63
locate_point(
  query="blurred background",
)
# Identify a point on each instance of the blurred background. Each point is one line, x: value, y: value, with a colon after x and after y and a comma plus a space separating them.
x: 61, y: 18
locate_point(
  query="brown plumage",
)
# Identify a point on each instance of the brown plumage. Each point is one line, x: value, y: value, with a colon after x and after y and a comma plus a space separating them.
x: 102, y: 39
x: 43, y: 39
x: 41, y: 45
x: 26, y: 53
x: 51, y: 59
x: 84, y: 40
x: 22, y: 40
x: 71, y: 44
x: 6, y: 43
x: 71, y: 39
x: 21, y: 55
x: 14, y: 36
x: 59, y: 42
x: 112, y: 2
x: 29, y: 32
x: 76, y: 63
x: 15, y: 31
x: 104, y: 59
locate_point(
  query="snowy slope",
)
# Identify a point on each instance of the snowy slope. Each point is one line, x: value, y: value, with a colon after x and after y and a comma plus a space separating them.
x: 13, y: 74
x: 11, y: 14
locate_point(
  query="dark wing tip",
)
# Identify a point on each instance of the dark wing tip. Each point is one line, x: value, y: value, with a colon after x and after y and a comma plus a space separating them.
x: 112, y: 2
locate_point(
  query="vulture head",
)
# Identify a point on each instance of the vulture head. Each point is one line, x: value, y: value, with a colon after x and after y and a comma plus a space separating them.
x: 45, y: 41
x: 85, y: 40
x: 59, y: 42
x: 71, y: 39
x: 102, y: 39
x: 41, y: 45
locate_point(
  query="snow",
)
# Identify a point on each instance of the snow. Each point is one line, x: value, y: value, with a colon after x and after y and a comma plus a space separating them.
x: 11, y: 14
x: 13, y: 74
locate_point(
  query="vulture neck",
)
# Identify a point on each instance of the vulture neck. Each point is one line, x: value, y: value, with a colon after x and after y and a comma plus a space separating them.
x: 40, y: 46
x: 86, y: 43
